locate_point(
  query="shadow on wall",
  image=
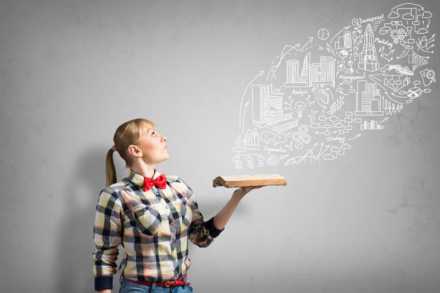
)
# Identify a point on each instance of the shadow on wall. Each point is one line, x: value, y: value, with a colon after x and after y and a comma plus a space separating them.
x: 73, y: 263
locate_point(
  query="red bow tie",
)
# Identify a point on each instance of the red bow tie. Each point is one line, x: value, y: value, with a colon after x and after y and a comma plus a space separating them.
x: 160, y: 182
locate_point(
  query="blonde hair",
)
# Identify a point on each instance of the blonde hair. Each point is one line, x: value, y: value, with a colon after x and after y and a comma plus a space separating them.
x: 126, y: 134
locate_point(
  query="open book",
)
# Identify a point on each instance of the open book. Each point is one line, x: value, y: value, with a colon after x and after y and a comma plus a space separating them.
x: 249, y: 180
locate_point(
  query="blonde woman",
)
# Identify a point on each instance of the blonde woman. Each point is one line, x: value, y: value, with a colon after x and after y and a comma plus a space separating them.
x: 151, y: 215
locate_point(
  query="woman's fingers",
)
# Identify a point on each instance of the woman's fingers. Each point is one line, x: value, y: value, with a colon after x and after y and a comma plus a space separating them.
x: 244, y: 190
x: 249, y: 188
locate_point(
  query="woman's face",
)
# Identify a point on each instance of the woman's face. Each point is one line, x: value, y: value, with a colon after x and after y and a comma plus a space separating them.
x: 153, y: 145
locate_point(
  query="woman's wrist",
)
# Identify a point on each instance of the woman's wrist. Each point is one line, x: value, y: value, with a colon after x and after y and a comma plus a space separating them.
x: 238, y: 194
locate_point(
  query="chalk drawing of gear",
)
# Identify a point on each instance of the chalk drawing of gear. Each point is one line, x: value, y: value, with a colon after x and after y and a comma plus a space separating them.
x: 299, y: 108
x: 398, y: 35
x: 301, y: 136
x: 323, y: 97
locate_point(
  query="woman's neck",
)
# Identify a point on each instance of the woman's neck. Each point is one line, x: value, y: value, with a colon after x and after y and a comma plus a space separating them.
x: 145, y: 170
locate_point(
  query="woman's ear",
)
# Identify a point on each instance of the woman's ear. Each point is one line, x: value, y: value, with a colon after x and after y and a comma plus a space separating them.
x: 134, y: 150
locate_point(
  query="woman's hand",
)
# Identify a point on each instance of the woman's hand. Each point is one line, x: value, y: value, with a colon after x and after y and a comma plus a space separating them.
x: 242, y: 191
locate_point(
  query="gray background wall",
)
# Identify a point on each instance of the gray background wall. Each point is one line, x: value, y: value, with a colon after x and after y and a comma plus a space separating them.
x: 72, y: 71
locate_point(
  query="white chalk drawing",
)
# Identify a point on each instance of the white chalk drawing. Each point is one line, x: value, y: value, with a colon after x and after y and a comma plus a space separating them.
x: 316, y: 97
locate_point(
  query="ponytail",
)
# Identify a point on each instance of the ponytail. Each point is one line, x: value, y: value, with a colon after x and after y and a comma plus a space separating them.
x: 126, y: 134
x: 110, y: 170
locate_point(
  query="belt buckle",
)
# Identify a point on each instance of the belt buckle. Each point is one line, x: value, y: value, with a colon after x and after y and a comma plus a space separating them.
x: 167, y: 283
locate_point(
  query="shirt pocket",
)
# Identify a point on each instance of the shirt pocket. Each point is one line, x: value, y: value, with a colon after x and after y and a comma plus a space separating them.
x: 162, y: 208
x: 163, y: 229
x: 152, y: 219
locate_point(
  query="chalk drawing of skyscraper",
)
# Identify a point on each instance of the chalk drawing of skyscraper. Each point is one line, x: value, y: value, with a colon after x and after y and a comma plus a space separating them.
x: 296, y: 75
x: 323, y: 72
x: 344, y: 41
x: 267, y: 104
x: 369, y: 101
x: 368, y: 58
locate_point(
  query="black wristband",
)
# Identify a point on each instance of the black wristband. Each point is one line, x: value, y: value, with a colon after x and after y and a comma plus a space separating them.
x: 213, y: 231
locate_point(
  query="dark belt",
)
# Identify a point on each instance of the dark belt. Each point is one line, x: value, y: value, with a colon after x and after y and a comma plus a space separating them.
x: 168, y: 283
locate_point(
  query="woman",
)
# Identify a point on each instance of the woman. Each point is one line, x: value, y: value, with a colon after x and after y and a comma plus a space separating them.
x: 152, y: 215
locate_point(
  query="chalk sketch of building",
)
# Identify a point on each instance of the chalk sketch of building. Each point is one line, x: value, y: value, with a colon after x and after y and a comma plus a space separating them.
x: 368, y: 60
x: 297, y: 74
x: 307, y: 73
x: 267, y: 105
x: 368, y: 99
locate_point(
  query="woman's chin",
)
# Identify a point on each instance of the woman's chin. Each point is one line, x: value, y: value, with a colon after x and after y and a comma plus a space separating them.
x: 166, y: 157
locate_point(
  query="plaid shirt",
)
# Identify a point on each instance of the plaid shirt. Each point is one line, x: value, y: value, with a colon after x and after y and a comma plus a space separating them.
x: 153, y: 230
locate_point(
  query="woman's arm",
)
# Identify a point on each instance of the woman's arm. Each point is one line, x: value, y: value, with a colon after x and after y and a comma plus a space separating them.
x: 223, y: 216
x: 203, y: 233
x: 107, y: 231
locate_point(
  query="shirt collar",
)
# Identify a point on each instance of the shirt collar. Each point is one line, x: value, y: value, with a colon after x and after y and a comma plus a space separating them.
x: 138, y: 179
